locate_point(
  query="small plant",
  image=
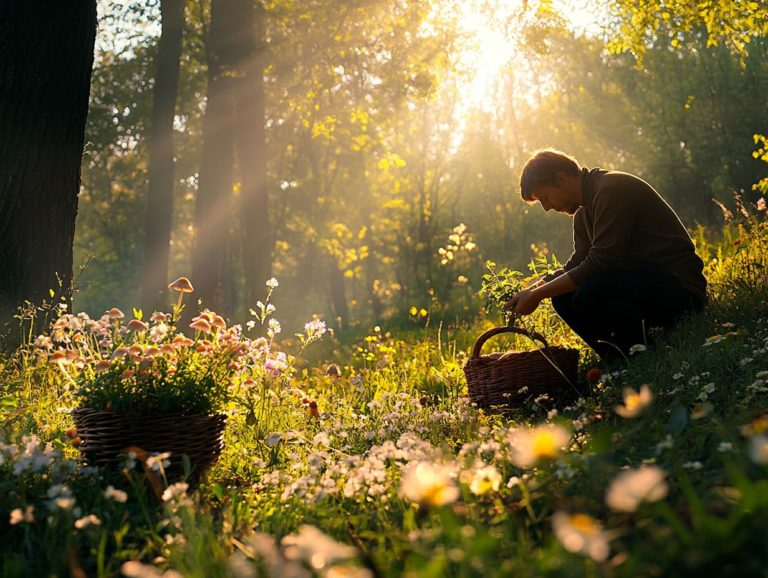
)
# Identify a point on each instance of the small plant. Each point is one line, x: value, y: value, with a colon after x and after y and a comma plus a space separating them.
x: 498, y: 287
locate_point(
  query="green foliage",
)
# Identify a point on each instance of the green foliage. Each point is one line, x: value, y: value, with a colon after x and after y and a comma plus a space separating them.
x: 642, y: 23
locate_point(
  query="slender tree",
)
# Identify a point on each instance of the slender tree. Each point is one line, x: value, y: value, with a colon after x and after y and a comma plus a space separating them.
x: 212, y: 207
x: 161, y: 157
x: 46, y: 58
x: 251, y: 150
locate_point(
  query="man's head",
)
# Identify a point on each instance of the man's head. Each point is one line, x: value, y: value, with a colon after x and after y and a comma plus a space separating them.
x: 554, y: 179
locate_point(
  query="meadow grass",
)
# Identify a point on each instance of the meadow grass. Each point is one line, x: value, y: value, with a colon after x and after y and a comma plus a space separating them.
x: 659, y: 471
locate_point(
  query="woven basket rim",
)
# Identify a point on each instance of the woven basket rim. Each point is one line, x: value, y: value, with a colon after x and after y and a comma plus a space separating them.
x: 132, y: 416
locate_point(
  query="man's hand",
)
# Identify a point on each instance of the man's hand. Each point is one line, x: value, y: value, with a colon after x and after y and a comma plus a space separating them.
x: 524, y: 302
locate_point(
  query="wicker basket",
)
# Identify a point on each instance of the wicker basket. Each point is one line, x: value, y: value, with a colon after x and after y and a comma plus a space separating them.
x: 503, y: 381
x: 105, y: 434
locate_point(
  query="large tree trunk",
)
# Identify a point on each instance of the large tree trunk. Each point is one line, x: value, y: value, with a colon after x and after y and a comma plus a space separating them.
x: 212, y: 208
x: 46, y: 58
x: 251, y: 150
x: 161, y: 164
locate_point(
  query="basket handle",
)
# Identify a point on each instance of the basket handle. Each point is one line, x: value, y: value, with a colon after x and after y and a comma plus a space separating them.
x: 532, y: 335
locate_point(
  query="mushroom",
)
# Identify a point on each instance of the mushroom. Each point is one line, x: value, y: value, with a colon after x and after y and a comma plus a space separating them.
x: 137, y: 325
x: 115, y: 313
x: 182, y: 285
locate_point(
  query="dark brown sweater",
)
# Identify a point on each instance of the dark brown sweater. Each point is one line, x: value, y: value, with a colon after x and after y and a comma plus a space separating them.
x: 625, y: 224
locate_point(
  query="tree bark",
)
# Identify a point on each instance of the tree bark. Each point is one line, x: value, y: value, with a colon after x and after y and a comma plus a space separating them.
x: 250, y: 142
x: 213, y: 204
x: 46, y: 58
x: 160, y: 187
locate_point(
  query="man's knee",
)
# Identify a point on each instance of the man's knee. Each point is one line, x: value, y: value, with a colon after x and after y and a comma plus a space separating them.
x: 562, y: 304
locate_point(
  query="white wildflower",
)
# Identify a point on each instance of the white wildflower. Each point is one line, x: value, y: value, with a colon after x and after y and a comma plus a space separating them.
x: 118, y: 496
x: 581, y: 534
x: 89, y: 520
x: 629, y: 489
x: 430, y: 484
x: 26, y: 515
x: 315, y: 548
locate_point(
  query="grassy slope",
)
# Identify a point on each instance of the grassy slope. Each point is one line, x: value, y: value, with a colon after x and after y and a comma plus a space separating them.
x: 708, y: 382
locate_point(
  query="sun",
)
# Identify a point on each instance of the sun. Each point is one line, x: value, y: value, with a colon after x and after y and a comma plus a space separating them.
x: 487, y: 49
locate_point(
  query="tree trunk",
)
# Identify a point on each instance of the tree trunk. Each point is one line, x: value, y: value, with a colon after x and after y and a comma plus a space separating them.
x: 161, y: 162
x: 212, y: 208
x: 46, y: 58
x: 251, y: 150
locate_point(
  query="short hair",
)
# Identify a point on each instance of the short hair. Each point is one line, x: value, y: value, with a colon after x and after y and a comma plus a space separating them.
x: 540, y: 170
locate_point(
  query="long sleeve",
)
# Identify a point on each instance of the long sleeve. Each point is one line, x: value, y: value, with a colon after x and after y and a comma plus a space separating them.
x: 581, y: 241
x: 614, y: 213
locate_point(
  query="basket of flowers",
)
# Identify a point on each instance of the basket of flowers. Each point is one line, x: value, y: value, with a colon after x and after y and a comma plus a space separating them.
x: 502, y: 381
x: 144, y: 387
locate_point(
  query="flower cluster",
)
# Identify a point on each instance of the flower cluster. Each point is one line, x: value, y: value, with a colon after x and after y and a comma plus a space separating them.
x: 137, y: 367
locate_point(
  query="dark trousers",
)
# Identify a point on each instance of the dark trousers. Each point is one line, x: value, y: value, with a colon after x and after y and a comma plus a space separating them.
x: 618, y: 309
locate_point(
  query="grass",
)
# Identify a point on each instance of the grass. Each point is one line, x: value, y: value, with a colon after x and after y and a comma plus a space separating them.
x: 342, y: 494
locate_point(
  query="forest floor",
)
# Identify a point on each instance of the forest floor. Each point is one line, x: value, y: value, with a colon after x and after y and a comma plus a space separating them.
x: 661, y: 469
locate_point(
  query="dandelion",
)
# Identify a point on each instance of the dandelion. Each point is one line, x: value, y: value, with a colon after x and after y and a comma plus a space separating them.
x: 315, y: 548
x: 633, y: 487
x: 581, y: 534
x: 487, y: 479
x: 544, y: 442
x: 635, y: 402
x: 429, y: 484
x: 26, y: 515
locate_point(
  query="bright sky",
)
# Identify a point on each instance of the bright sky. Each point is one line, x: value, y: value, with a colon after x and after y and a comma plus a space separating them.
x: 493, y: 47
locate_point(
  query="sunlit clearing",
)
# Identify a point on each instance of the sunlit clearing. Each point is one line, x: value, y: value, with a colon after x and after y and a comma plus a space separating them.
x: 488, y: 49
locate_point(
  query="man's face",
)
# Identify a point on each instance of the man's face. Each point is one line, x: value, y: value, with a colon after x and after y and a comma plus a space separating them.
x: 555, y: 197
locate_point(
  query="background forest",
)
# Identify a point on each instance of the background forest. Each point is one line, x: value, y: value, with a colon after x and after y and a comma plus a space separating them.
x: 354, y: 165
x: 386, y: 126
